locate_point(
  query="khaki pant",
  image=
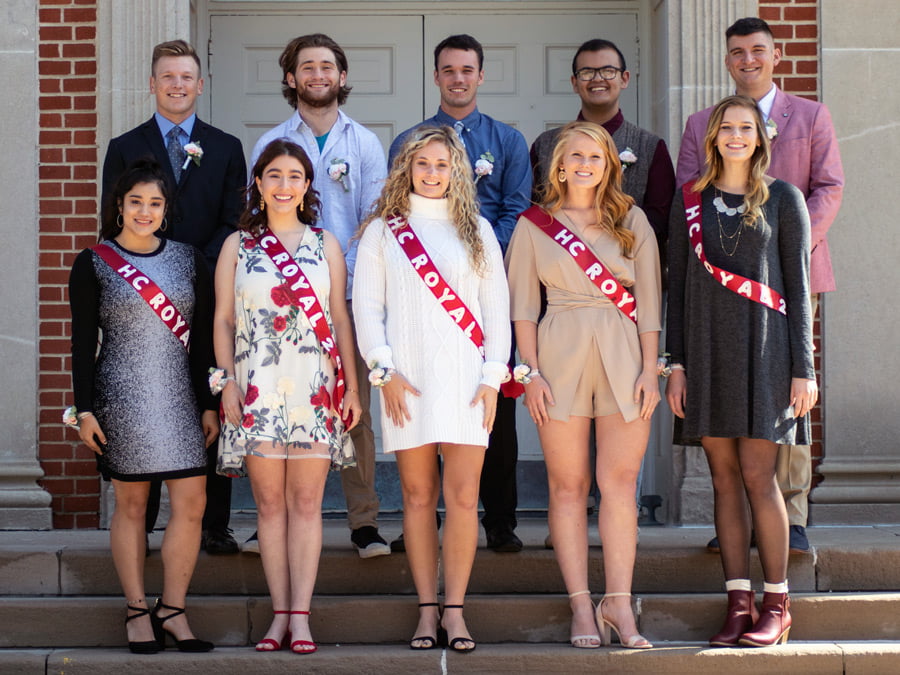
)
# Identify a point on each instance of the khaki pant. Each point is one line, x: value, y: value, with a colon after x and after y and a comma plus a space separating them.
x: 793, y: 469
x: 358, y: 481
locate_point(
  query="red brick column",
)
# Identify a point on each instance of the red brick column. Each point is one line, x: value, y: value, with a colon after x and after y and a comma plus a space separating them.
x: 67, y: 175
x: 796, y: 29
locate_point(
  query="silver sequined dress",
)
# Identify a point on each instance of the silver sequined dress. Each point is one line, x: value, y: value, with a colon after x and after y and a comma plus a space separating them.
x: 143, y: 385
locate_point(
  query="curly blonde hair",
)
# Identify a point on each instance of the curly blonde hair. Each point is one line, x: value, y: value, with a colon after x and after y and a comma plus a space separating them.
x: 758, y: 193
x: 461, y: 196
x: 611, y: 205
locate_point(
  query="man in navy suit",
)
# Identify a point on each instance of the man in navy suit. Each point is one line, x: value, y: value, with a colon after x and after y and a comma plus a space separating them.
x: 207, y: 187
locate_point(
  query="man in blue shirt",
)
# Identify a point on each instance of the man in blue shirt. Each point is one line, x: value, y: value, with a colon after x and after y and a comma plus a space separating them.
x: 502, y: 168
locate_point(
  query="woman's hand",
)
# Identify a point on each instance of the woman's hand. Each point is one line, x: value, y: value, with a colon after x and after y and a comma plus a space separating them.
x: 209, y: 421
x: 646, y: 388
x: 233, y: 403
x: 352, y: 408
x: 537, y: 396
x: 393, y: 396
x: 90, y: 432
x: 676, y: 392
x: 804, y: 394
x: 488, y: 396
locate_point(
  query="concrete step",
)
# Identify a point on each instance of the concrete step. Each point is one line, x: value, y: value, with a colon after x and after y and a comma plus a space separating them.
x: 797, y: 658
x: 520, y: 618
x: 670, y: 559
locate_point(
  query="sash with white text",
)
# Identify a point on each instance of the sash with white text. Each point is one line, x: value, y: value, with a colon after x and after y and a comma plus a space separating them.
x: 752, y: 290
x: 595, y: 270
x: 305, y: 298
x: 450, y: 301
x: 151, y: 293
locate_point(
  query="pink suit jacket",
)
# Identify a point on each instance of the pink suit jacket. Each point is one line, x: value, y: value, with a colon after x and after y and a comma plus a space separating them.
x: 804, y: 153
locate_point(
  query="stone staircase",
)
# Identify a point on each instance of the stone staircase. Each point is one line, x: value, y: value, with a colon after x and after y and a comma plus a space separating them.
x: 61, y: 610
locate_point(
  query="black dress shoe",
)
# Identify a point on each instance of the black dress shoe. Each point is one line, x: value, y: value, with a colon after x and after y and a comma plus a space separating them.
x: 219, y: 542
x: 798, y: 543
x: 503, y: 541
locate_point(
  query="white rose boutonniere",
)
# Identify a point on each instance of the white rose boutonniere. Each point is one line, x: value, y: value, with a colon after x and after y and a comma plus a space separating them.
x: 771, y: 129
x: 338, y: 169
x: 194, y: 154
x: 627, y: 157
x: 484, y: 166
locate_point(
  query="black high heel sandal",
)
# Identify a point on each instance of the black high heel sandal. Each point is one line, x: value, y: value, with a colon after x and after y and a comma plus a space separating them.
x: 431, y: 641
x: 190, y: 645
x: 452, y: 644
x: 145, y: 646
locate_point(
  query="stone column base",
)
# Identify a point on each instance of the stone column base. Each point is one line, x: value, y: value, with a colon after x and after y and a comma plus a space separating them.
x: 24, y: 505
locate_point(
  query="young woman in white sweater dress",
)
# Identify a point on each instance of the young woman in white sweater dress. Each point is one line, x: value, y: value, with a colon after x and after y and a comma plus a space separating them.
x: 438, y: 392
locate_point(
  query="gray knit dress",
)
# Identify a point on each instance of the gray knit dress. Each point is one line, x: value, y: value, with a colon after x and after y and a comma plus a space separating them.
x: 739, y: 355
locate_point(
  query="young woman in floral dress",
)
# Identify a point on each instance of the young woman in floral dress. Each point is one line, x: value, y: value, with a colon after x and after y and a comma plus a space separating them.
x: 278, y: 399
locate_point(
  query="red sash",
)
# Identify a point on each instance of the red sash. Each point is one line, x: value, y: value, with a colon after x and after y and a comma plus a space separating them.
x: 752, y: 290
x: 441, y: 290
x: 151, y: 293
x: 305, y: 298
x: 595, y: 270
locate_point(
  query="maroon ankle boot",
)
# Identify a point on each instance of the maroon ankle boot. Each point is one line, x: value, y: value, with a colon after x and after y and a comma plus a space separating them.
x: 774, y: 622
x: 740, y: 618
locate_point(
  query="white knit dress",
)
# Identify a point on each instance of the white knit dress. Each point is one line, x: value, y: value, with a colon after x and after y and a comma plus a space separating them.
x: 399, y: 324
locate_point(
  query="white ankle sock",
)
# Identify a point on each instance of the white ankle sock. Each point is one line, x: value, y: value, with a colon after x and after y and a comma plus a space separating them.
x: 776, y: 588
x: 738, y: 585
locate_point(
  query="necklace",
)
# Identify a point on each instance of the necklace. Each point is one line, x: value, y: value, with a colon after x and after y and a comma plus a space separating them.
x: 723, y: 209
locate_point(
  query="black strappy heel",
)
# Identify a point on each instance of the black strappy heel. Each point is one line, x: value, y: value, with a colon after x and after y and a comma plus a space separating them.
x: 457, y: 640
x: 145, y: 646
x: 189, y: 645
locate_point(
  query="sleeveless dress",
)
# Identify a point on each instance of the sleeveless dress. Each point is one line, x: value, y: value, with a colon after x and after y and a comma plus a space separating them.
x: 143, y: 386
x: 287, y: 377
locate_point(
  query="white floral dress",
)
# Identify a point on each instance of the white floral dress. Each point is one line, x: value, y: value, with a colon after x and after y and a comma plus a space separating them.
x: 287, y: 377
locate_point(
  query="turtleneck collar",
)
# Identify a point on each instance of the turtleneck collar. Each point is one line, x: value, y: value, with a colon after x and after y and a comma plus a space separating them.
x: 423, y: 207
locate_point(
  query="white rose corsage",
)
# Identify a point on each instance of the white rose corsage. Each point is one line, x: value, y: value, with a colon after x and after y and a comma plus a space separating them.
x: 524, y: 374
x: 338, y: 169
x: 771, y: 129
x: 484, y: 165
x: 627, y: 157
x: 662, y: 365
x: 218, y: 378
x: 70, y: 416
x: 378, y: 376
x: 194, y: 154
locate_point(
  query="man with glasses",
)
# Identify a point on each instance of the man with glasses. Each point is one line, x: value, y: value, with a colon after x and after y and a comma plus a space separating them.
x: 598, y: 77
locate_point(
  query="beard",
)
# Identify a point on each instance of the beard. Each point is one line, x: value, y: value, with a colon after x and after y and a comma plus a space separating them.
x: 320, y: 99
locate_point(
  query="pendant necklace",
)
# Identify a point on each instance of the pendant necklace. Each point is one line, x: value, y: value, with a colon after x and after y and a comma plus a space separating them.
x: 723, y: 209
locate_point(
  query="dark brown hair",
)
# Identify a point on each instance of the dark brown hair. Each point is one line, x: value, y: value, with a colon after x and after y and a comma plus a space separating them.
x: 288, y: 63
x: 144, y: 170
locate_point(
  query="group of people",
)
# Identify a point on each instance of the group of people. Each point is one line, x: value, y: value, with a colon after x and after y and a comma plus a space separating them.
x: 460, y: 278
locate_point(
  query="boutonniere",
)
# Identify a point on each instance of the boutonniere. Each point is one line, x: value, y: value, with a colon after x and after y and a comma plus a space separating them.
x: 627, y: 157
x: 484, y: 166
x: 771, y: 129
x: 338, y: 169
x: 194, y: 154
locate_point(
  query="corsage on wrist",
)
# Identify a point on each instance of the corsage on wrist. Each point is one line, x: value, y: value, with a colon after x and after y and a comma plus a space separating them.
x: 72, y: 418
x: 378, y: 376
x: 663, y: 369
x: 218, y: 378
x: 524, y: 374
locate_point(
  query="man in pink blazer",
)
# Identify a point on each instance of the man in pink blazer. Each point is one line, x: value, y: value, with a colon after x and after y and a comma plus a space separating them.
x: 804, y: 153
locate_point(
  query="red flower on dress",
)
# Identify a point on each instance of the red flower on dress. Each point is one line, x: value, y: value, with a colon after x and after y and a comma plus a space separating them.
x: 252, y: 394
x: 329, y: 424
x: 249, y: 242
x: 279, y: 323
x: 249, y: 420
x: 321, y: 398
x: 281, y: 295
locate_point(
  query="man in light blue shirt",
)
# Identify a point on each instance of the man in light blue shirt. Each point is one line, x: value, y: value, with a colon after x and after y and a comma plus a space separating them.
x: 499, y: 156
x: 349, y: 172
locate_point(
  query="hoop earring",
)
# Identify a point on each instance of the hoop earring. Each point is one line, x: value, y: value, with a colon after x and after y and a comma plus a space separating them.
x: 165, y: 225
x: 262, y: 204
x: 562, y: 176
x: 120, y: 222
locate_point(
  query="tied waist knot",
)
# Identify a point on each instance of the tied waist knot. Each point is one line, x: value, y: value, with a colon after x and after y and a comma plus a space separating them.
x: 562, y: 301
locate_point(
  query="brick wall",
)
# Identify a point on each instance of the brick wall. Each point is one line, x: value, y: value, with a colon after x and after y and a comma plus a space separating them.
x: 795, y: 26
x: 67, y: 177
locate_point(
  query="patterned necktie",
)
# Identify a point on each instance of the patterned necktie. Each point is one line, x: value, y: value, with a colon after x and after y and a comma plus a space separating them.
x: 458, y: 127
x: 177, y: 155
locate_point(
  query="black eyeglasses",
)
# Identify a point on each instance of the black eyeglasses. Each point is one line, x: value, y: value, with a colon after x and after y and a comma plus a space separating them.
x: 605, y: 73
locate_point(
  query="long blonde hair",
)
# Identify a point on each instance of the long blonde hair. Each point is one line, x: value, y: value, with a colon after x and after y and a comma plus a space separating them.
x: 758, y: 193
x: 461, y: 197
x: 611, y: 205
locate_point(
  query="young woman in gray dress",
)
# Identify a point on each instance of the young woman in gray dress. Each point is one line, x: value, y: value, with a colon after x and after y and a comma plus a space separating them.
x: 743, y: 379
x: 137, y: 399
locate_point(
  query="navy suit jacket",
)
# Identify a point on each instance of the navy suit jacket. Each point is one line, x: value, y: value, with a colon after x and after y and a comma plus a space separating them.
x: 207, y: 201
